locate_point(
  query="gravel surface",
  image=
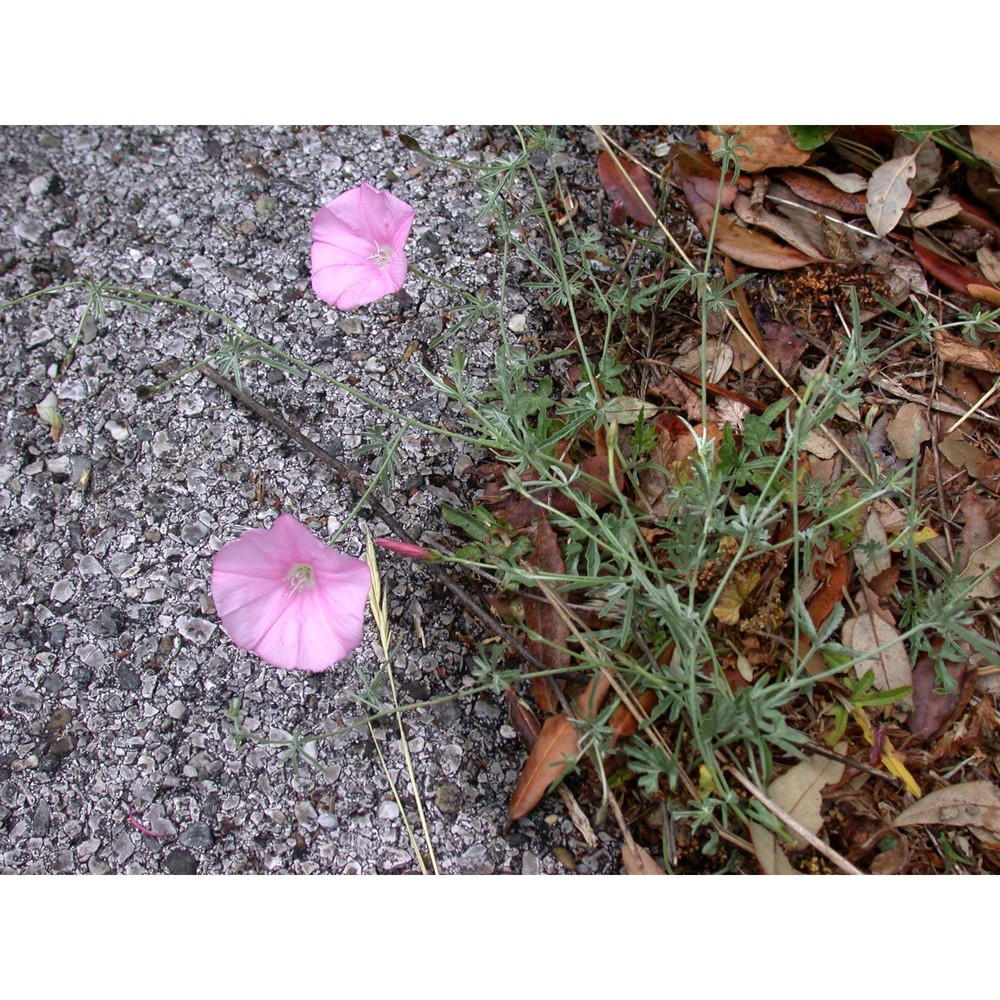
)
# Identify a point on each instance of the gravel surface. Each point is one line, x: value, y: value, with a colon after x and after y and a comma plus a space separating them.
x: 116, y: 752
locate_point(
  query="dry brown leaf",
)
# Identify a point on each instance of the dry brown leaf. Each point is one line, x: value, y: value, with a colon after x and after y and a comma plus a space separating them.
x: 623, y: 723
x: 987, y: 474
x: 986, y: 559
x: 829, y: 195
x: 594, y: 485
x: 830, y: 594
x: 953, y: 274
x: 785, y: 346
x: 931, y: 709
x: 959, y: 352
x: 871, y: 565
x: 849, y: 183
x: 614, y: 175
x: 770, y: 146
x: 638, y: 861
x: 958, y: 380
x: 989, y: 262
x: 540, y: 617
x: 799, y: 792
x: 748, y: 348
x: 971, y: 803
x: 718, y: 358
x: 984, y: 293
x: 889, y: 193
x: 940, y: 209
x: 927, y: 158
x: 734, y: 595
x: 957, y: 449
x: 781, y: 226
x: 908, y: 430
x: 522, y: 718
x: 891, y: 666
x: 556, y: 742
x: 820, y: 445
x: 732, y: 413
x: 698, y: 178
x: 976, y: 530
x: 986, y: 145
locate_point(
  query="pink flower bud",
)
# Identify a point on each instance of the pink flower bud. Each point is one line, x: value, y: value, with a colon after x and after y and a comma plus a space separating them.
x: 405, y: 548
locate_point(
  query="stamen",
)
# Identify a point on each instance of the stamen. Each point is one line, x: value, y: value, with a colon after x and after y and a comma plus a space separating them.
x: 382, y: 256
x: 301, y: 577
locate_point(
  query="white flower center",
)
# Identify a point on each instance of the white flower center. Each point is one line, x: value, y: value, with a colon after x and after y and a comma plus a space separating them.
x: 382, y: 256
x: 300, y: 577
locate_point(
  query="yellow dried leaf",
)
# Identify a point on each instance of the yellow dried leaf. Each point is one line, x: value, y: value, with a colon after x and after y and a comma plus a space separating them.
x: 891, y: 760
x: 727, y: 607
x: 48, y: 413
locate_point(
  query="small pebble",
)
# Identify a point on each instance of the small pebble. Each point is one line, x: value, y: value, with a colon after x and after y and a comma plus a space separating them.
x: 40, y: 820
x: 39, y: 185
x: 88, y: 566
x: 198, y: 836
x: 181, y: 862
x: 116, y: 430
x: 197, y: 630
x: 62, y: 591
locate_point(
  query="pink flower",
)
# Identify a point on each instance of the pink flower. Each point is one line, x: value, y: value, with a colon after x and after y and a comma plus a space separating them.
x: 406, y: 548
x: 357, y: 250
x: 284, y: 595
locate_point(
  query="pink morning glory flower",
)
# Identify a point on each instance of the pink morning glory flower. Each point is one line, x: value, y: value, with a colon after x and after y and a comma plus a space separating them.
x: 284, y: 595
x: 357, y: 250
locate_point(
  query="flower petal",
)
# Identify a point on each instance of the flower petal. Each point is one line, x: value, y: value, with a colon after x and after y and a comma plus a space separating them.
x: 307, y: 629
x: 348, y: 235
x: 350, y: 286
x: 387, y: 217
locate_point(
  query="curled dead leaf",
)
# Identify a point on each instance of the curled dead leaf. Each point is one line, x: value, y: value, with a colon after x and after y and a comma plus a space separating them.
x: 746, y: 246
x: 615, y: 176
x: 717, y: 359
x: 781, y: 226
x: 731, y: 600
x: 940, y: 209
x: 958, y: 352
